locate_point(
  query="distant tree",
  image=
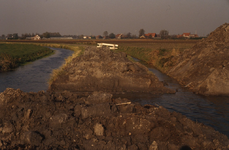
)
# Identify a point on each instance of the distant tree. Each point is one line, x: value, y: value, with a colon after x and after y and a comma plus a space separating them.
x: 99, y: 37
x: 9, y: 35
x: 164, y: 34
x: 141, y: 32
x: 46, y: 35
x: 173, y: 36
x: 105, y: 34
x: 112, y: 35
x: 54, y: 34
x: 81, y: 36
x: 128, y: 35
x: 134, y: 36
x: 93, y: 37
x: 15, y: 36
x: 23, y: 36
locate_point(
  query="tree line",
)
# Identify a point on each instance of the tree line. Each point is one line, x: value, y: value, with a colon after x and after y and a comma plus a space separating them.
x: 163, y: 34
x: 25, y: 35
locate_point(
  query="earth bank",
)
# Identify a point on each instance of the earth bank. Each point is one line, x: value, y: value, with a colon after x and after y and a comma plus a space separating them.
x: 100, y: 69
x: 64, y: 119
x: 50, y: 120
x: 204, y: 68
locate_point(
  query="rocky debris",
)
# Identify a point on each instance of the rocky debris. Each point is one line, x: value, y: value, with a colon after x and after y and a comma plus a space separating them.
x: 205, y: 67
x: 49, y: 120
x: 100, y: 69
x: 98, y: 129
x: 31, y: 138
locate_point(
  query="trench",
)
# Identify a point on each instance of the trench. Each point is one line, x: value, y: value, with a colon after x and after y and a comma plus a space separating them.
x: 34, y: 77
x: 209, y: 110
x: 212, y: 111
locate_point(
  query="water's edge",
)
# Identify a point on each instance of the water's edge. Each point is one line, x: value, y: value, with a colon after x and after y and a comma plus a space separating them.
x: 34, y: 77
x: 209, y: 110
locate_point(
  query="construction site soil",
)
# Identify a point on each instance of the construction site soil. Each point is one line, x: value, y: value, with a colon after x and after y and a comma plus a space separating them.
x: 49, y: 120
x: 64, y: 118
x: 205, y: 67
x: 100, y: 69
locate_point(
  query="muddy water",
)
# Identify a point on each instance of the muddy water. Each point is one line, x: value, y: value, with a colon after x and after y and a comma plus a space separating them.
x: 34, y: 77
x: 212, y: 111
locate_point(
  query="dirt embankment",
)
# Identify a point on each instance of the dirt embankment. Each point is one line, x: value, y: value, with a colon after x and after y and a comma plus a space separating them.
x: 205, y: 67
x: 67, y: 121
x: 105, y: 70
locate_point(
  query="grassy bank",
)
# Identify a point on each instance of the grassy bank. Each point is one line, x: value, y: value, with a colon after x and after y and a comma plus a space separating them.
x: 78, y: 50
x: 13, y: 55
x: 160, y: 55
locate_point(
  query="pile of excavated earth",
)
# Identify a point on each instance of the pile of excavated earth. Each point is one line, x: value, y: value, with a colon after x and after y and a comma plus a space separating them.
x: 47, y: 120
x: 64, y: 118
x: 205, y: 67
x: 100, y: 69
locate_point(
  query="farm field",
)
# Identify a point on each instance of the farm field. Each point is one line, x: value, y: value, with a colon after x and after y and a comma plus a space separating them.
x: 148, y: 50
x: 162, y: 55
x: 13, y: 55
x: 144, y: 51
x: 94, y: 41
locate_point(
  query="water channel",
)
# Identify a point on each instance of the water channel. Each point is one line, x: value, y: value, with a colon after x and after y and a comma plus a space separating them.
x: 34, y: 77
x: 212, y: 111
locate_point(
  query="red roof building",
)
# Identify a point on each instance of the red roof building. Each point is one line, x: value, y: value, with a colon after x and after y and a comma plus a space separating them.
x: 150, y: 35
x: 187, y: 35
x: 119, y: 36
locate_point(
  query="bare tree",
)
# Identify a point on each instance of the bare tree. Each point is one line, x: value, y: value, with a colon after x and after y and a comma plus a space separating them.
x: 46, y: 35
x: 128, y: 35
x: 141, y: 32
x: 164, y: 34
x: 112, y: 35
x: 105, y: 34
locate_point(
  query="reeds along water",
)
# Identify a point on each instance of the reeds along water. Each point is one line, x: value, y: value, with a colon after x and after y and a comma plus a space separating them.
x: 56, y: 72
x: 7, y: 62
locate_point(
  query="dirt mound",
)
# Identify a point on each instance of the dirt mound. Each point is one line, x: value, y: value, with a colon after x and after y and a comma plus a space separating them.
x: 106, y: 70
x: 66, y: 121
x: 205, y: 67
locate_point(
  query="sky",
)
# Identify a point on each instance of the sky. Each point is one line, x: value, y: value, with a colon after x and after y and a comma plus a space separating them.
x: 93, y: 17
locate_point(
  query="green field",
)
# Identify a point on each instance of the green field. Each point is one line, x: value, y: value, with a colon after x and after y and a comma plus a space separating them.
x: 13, y: 55
x: 160, y: 55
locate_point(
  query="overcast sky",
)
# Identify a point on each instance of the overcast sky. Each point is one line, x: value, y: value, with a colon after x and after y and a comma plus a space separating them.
x: 93, y: 17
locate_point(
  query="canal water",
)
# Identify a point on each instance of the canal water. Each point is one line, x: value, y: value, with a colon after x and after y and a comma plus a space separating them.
x: 209, y: 110
x: 212, y: 111
x: 34, y: 77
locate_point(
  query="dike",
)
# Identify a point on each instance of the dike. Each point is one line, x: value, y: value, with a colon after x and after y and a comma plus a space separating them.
x: 205, y: 67
x: 100, y: 69
x: 49, y: 120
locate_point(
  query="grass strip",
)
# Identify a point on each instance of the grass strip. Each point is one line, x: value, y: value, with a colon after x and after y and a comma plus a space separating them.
x: 161, y: 55
x: 13, y: 55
